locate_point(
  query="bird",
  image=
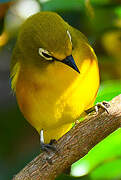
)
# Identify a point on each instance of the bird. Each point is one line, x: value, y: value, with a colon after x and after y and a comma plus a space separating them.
x: 54, y: 74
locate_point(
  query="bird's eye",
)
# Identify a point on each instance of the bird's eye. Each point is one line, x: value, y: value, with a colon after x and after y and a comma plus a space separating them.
x: 45, y: 54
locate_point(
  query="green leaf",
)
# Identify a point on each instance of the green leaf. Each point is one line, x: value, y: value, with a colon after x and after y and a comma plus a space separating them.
x: 108, y: 90
x: 118, y: 11
x: 107, y: 149
x: 109, y: 170
x: 56, y: 5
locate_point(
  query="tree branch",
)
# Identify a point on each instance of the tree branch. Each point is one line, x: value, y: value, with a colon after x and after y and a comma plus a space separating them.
x: 74, y: 145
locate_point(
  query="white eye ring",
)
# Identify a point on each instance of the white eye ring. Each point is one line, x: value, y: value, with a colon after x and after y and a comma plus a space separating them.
x: 69, y: 35
x: 45, y: 54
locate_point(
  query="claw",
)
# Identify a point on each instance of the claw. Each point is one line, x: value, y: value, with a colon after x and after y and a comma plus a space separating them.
x: 52, y: 141
x: 104, y: 105
x: 47, y: 147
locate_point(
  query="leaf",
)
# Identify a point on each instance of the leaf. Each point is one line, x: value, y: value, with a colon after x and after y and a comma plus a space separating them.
x: 108, y: 90
x: 56, y: 5
x: 106, y: 150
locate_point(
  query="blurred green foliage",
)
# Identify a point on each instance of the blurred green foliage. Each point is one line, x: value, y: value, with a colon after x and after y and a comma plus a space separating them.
x: 108, y: 90
x: 100, y: 21
x: 101, y: 158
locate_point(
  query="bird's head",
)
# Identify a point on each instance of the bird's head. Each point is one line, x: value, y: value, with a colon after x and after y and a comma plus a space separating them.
x: 45, y: 38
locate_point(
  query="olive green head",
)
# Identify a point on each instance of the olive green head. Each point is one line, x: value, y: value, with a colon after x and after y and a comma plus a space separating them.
x: 45, y: 33
x: 43, y: 38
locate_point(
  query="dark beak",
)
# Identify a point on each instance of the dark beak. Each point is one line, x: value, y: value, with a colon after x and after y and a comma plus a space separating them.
x: 69, y: 60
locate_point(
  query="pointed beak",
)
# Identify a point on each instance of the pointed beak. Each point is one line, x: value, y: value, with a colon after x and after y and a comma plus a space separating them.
x: 69, y: 60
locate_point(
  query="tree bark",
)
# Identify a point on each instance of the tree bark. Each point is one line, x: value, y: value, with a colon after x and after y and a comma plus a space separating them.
x: 74, y: 145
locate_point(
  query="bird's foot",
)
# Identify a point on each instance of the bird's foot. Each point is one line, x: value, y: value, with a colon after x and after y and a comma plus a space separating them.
x: 103, y: 105
x: 47, y: 147
x: 52, y: 141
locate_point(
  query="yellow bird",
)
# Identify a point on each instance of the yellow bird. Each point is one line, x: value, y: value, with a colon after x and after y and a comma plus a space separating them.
x: 54, y: 74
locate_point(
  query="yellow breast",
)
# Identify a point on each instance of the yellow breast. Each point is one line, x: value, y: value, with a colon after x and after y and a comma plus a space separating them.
x: 53, y: 99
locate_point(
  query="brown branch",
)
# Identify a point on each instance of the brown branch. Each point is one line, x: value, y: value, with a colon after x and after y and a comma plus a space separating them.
x: 74, y: 145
